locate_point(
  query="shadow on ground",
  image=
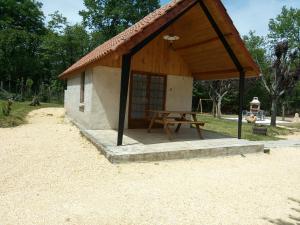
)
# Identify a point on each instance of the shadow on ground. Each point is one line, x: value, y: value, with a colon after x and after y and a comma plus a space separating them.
x: 294, y: 217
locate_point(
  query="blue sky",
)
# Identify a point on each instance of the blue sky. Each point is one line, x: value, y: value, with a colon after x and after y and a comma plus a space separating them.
x: 246, y: 14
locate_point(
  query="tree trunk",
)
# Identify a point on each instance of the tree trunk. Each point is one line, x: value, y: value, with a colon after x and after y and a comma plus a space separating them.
x: 214, y: 108
x: 274, y: 112
x: 219, y: 113
x: 22, y: 87
x: 9, y: 84
x: 283, y: 111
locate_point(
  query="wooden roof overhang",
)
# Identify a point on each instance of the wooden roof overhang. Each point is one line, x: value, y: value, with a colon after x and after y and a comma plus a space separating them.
x: 200, y: 52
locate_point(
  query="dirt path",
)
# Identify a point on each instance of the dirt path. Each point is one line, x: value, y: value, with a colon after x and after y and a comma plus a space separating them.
x: 51, y: 175
x: 294, y: 136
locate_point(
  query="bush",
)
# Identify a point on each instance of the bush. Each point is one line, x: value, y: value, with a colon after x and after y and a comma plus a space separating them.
x: 5, y: 94
x: 6, y: 108
x: 35, y: 102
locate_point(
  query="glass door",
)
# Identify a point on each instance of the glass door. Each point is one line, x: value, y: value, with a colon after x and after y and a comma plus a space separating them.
x: 147, y: 93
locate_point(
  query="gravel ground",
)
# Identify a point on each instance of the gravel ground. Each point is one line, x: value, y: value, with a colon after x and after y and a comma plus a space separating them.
x: 51, y: 175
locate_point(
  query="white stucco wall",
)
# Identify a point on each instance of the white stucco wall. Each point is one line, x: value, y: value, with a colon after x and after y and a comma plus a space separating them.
x: 101, y: 99
x: 106, y: 96
x: 179, y: 93
x: 72, y: 99
x: 102, y: 93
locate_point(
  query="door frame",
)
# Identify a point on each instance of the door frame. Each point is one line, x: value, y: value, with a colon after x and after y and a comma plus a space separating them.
x: 148, y: 74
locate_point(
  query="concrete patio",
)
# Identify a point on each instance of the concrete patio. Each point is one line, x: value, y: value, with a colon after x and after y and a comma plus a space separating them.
x: 142, y: 146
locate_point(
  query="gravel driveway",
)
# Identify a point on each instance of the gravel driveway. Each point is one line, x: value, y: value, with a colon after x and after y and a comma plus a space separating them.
x: 52, y: 175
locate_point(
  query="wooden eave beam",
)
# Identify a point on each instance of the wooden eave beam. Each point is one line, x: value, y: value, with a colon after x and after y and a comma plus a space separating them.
x: 217, y: 72
x: 222, y: 74
x: 208, y: 41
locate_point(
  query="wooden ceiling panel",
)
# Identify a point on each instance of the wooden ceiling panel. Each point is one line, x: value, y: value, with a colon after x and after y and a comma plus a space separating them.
x: 200, y: 47
x: 223, y: 74
x: 198, y: 52
x: 192, y: 28
x: 158, y: 57
x: 209, y: 49
x: 210, y: 61
x: 195, y: 68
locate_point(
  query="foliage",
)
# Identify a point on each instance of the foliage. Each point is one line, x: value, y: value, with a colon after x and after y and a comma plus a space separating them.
x: 257, y: 48
x: 62, y: 46
x: 217, y: 90
x: 28, y: 85
x: 282, y: 77
x: 286, y: 26
x: 4, y: 95
x: 58, y: 22
x: 25, y: 15
x: 21, y: 26
x: 107, y: 18
x: 35, y: 101
x: 32, y: 55
x: 18, y: 49
x: 6, y: 107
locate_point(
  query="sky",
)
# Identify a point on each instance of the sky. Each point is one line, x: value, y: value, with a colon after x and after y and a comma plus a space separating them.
x: 246, y: 14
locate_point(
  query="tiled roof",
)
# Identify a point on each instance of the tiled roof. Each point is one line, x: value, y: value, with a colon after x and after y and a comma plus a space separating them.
x: 122, y: 38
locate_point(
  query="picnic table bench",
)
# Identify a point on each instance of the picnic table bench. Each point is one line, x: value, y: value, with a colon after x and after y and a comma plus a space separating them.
x: 164, y: 118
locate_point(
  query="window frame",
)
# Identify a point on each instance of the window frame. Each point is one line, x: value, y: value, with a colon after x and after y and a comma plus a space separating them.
x: 82, y: 87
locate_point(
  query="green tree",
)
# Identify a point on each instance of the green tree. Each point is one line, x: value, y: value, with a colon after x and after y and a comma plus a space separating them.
x: 28, y: 85
x: 62, y: 46
x: 21, y: 25
x: 257, y: 46
x: 32, y: 55
x: 109, y: 17
x: 217, y: 91
x: 286, y: 26
x: 282, y: 76
x: 58, y: 22
x: 76, y: 43
x: 19, y: 49
x: 23, y: 15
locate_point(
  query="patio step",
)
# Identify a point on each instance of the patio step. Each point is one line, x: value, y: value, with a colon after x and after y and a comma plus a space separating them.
x: 137, y: 152
x: 151, y: 153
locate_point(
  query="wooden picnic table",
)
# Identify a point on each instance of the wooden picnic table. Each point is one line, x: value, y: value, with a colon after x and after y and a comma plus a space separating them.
x: 177, y: 118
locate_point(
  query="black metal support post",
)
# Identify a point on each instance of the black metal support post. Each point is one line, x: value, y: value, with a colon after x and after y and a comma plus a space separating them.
x: 125, y: 73
x: 234, y: 59
x: 241, y: 103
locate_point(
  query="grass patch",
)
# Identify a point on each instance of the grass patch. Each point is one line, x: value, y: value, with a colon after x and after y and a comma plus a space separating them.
x: 293, y: 125
x: 19, y: 112
x: 229, y: 128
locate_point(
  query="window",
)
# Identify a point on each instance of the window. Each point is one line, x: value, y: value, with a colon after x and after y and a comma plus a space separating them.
x: 82, y: 84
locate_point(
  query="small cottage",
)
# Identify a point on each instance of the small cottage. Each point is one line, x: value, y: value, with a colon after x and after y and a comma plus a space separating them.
x: 152, y: 66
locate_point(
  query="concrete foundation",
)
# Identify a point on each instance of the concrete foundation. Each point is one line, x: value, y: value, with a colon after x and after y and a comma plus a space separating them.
x: 140, y: 146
